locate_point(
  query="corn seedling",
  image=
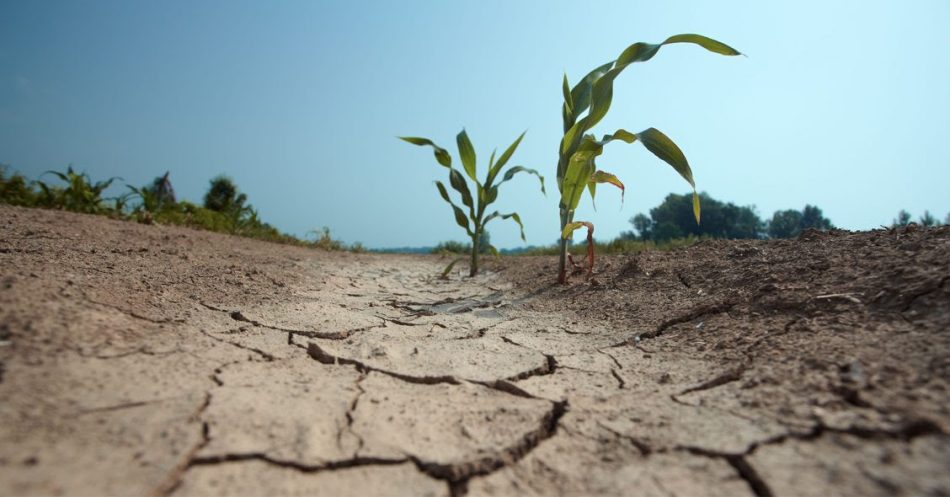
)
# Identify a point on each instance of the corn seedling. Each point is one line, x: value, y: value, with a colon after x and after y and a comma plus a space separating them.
x: 79, y: 195
x: 576, y: 168
x: 485, y: 192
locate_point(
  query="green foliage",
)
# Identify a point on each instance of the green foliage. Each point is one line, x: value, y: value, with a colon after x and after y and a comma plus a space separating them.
x: 80, y: 193
x: 154, y: 197
x: 584, y: 106
x: 903, y: 219
x: 790, y: 223
x: 785, y: 224
x: 223, y: 196
x: 15, y: 189
x: 154, y: 203
x: 452, y: 247
x: 617, y: 246
x: 475, y: 221
x: 324, y: 240
x: 928, y: 220
x: 674, y: 219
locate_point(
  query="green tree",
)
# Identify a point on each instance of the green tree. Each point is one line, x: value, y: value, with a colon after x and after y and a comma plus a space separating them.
x: 785, y: 224
x: 812, y: 218
x: 674, y: 218
x: 223, y: 196
x: 903, y: 219
x: 928, y: 220
x: 789, y: 223
x: 643, y: 226
x: 15, y: 189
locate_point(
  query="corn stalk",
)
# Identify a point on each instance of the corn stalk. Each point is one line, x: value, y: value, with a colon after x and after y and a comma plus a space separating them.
x: 485, y: 192
x: 576, y: 168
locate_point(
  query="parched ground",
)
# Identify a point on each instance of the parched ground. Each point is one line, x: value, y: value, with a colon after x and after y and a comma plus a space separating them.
x: 149, y: 360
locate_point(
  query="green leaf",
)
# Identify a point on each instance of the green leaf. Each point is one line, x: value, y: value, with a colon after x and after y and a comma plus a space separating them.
x: 518, y: 169
x: 601, y: 87
x: 696, y: 206
x: 459, y: 213
x: 467, y: 154
x: 605, y: 177
x: 567, y: 117
x: 441, y: 155
x: 566, y: 90
x: 570, y: 228
x: 60, y: 175
x: 663, y: 147
x: 705, y: 42
x: 642, y: 52
x: 620, y: 134
x: 579, y: 170
x: 513, y: 215
x: 490, y: 195
x: 448, y: 269
x: 458, y: 184
x: 494, y: 170
x: 580, y: 95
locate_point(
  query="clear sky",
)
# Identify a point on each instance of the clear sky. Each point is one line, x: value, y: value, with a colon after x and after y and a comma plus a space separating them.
x: 841, y: 104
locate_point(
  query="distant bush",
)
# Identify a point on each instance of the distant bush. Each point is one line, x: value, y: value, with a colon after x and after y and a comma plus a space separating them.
x: 325, y: 241
x: 225, y: 211
x: 15, y: 189
x: 619, y: 246
x: 452, y: 247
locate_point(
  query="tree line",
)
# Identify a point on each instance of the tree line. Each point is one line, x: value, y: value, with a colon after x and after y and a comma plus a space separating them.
x: 673, y: 219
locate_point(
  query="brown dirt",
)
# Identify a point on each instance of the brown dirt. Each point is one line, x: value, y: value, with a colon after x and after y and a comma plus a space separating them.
x: 154, y: 360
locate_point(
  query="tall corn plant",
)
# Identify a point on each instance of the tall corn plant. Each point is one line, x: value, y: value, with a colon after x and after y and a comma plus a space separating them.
x: 485, y: 192
x: 576, y: 168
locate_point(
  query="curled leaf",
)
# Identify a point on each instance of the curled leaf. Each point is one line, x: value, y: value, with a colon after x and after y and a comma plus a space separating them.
x: 441, y: 155
x: 518, y: 169
x: 514, y: 216
x: 570, y: 228
x: 605, y: 177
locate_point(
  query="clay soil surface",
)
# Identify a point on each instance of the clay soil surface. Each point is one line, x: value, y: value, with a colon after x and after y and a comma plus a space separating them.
x: 150, y: 360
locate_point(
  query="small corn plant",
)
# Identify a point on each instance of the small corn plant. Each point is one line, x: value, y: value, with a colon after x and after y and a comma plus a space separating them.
x: 80, y: 194
x: 485, y: 192
x: 576, y: 169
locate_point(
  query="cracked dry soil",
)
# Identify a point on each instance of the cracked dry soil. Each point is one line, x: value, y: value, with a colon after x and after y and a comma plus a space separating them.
x: 149, y: 360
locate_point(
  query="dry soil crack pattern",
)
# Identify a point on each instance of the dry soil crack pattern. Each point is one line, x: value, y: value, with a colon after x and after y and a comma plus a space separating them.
x: 246, y: 368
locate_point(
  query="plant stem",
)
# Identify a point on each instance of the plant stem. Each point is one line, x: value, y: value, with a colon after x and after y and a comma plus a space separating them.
x: 474, y: 265
x: 562, y: 262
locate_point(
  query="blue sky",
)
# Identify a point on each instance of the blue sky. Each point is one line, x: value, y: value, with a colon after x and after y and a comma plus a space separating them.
x: 841, y: 104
